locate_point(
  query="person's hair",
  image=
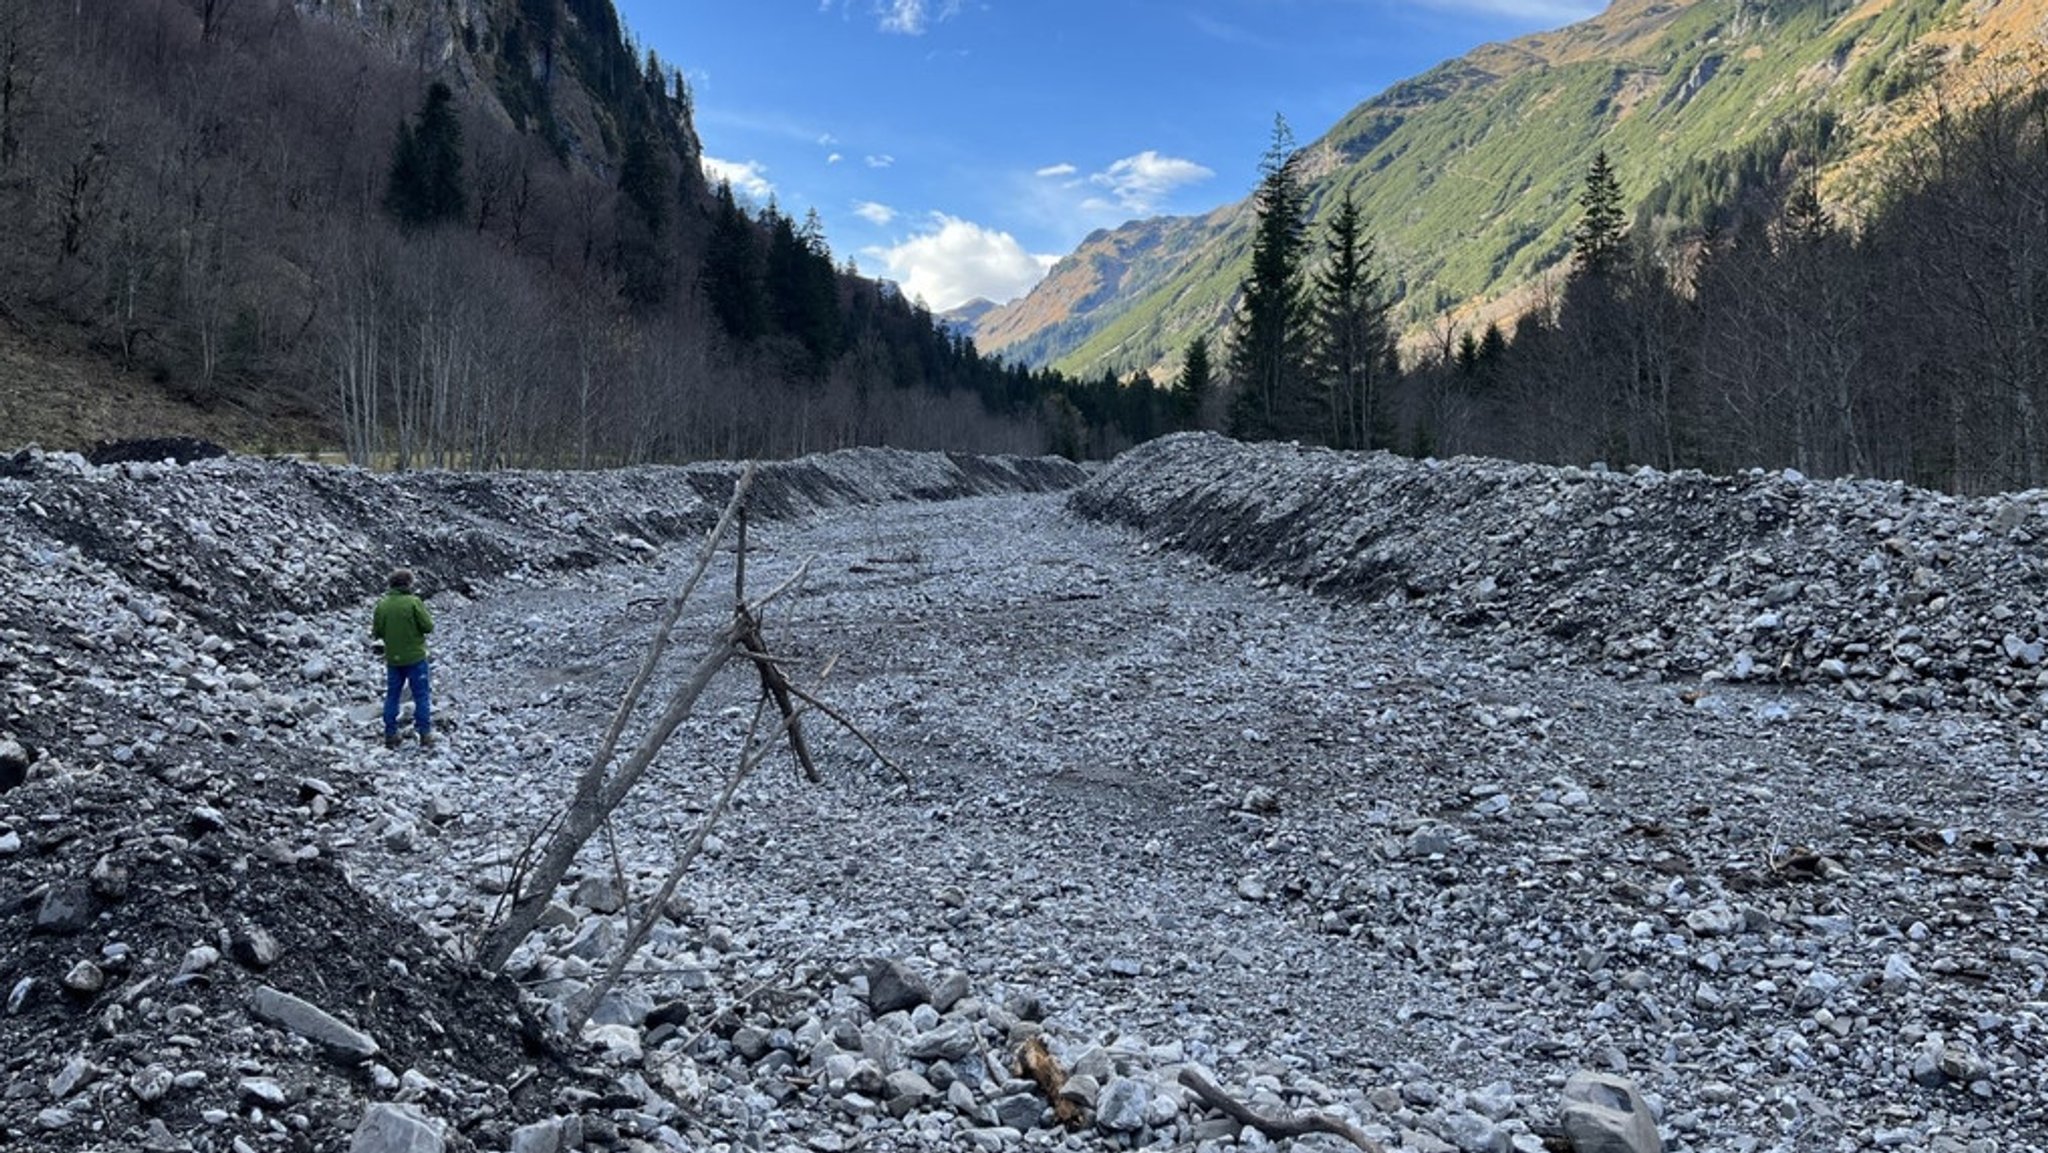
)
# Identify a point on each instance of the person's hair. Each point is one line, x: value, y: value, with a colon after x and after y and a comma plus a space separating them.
x: 401, y: 578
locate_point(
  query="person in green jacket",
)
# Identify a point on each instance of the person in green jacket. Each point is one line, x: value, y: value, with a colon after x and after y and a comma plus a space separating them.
x: 401, y: 622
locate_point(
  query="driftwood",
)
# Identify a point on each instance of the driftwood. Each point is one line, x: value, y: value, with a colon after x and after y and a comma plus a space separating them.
x: 598, y: 789
x: 774, y: 683
x: 1036, y: 1061
x: 1299, y: 1125
x: 750, y: 760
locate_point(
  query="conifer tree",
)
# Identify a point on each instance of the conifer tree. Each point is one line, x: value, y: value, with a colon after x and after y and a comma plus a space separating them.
x: 1194, y: 384
x: 732, y: 272
x: 1353, y: 340
x: 642, y: 221
x: 1267, y: 352
x: 425, y: 186
x: 1597, y: 242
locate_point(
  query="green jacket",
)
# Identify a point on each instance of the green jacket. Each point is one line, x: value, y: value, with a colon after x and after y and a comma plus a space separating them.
x: 402, y: 622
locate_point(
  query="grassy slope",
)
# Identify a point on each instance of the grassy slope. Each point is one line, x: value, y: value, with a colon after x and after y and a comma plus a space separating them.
x: 1469, y: 173
x: 63, y: 397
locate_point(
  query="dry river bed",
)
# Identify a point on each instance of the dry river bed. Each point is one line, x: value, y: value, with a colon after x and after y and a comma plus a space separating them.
x: 1318, y: 847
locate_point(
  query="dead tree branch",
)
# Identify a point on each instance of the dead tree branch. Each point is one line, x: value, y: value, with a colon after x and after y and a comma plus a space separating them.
x: 749, y: 761
x: 1299, y: 1125
x: 596, y: 794
x: 838, y: 717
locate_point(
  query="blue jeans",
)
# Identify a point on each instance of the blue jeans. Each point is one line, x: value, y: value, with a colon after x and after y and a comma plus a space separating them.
x: 396, y: 678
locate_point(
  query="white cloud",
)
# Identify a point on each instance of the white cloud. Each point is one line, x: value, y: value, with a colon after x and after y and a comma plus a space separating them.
x: 905, y: 17
x: 1051, y: 171
x: 956, y: 260
x: 834, y: 158
x: 748, y: 178
x: 882, y: 160
x: 1141, y: 183
x: 912, y: 17
x: 827, y: 140
x: 876, y: 214
x: 1551, y: 13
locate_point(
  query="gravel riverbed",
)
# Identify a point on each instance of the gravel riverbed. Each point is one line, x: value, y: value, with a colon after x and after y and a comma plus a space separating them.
x: 1352, y: 850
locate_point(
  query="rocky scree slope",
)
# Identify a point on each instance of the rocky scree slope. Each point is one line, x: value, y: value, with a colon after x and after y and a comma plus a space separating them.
x: 169, y: 883
x: 1883, y: 592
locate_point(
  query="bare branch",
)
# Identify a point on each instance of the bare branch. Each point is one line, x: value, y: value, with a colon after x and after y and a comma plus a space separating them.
x: 838, y: 717
x: 749, y: 761
x: 1299, y: 1125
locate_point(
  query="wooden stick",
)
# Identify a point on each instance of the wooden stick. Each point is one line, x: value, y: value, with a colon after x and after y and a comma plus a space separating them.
x: 840, y: 718
x: 775, y: 684
x: 1299, y: 1125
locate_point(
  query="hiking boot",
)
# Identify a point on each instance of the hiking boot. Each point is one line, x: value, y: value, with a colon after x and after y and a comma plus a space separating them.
x: 393, y: 741
x: 426, y: 740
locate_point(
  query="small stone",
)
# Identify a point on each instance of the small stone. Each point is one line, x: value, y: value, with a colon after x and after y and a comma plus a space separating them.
x: 751, y: 1043
x: 599, y: 895
x: 150, y: 1083
x: 76, y: 1074
x: 1019, y: 1111
x: 199, y: 959
x: 1473, y: 1133
x: 53, y: 1119
x: 313, y: 1023
x: 65, y: 910
x: 1122, y: 1105
x: 539, y: 1137
x: 949, y: 990
x: 1431, y: 841
x: 262, y: 1091
x: 253, y: 947
x: 85, y: 979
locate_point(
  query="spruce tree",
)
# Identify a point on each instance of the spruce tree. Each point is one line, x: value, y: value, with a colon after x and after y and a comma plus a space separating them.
x: 732, y: 274
x: 1353, y: 341
x: 425, y: 185
x: 1192, y: 387
x: 1267, y: 357
x: 641, y: 222
x: 1597, y: 242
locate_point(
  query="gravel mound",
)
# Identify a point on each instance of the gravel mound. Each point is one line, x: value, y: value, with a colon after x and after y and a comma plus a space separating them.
x: 1887, y: 593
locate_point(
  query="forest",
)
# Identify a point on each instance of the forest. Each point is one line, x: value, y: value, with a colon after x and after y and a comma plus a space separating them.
x: 484, y: 245
x: 490, y: 245
x: 1908, y: 342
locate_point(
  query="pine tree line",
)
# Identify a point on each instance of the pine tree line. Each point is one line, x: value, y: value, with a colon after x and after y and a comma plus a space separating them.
x: 1911, y: 344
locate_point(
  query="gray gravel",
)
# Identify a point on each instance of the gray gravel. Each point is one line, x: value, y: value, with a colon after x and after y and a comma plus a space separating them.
x: 1354, y: 849
x: 1294, y: 839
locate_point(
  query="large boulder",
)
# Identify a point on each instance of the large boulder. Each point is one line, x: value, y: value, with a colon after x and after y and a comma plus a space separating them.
x: 1604, y: 1113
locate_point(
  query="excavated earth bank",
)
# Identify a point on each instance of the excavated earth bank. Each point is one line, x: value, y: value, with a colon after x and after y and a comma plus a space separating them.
x: 1473, y: 777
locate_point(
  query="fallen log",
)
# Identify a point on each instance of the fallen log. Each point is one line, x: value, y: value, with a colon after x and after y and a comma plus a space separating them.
x: 1299, y: 1125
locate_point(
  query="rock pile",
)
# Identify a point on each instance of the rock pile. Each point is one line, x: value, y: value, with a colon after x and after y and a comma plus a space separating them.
x: 1876, y: 590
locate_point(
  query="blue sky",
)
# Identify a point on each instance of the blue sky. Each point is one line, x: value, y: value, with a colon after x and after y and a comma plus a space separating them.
x: 960, y: 146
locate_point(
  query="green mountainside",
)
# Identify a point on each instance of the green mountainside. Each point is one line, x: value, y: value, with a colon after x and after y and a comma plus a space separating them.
x: 1468, y: 174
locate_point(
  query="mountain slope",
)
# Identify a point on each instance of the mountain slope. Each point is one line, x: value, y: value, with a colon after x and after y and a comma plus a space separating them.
x: 1468, y: 174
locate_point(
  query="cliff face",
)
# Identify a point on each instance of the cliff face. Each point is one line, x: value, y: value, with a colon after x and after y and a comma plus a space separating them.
x: 559, y: 69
